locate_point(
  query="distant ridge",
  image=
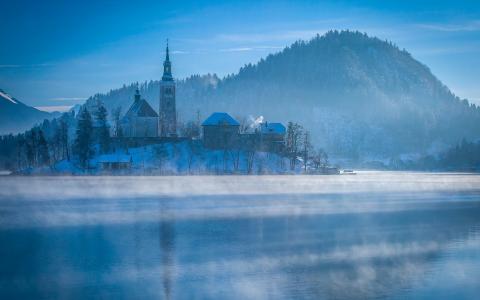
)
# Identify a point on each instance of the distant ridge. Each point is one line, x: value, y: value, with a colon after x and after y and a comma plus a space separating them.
x: 361, y: 97
x: 16, y: 117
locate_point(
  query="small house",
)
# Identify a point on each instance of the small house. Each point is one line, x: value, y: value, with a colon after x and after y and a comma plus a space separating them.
x: 272, y: 136
x: 220, y: 131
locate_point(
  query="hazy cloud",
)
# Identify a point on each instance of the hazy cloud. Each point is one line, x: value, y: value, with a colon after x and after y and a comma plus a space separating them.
x: 27, y: 66
x: 179, y: 52
x: 52, y: 108
x: 447, y: 50
x: 467, y: 26
x: 272, y: 36
x: 69, y: 99
x: 258, y: 48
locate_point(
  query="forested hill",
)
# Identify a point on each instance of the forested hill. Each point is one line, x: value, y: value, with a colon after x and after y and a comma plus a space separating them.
x: 358, y: 95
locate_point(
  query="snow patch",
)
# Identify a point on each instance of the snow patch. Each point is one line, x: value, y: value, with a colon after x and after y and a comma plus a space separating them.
x: 7, y: 97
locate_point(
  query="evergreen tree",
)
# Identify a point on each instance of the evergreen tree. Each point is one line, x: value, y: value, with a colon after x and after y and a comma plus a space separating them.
x: 84, y: 138
x: 103, y: 130
x: 63, y: 137
x: 31, y: 148
x: 116, y: 113
x: 43, y: 154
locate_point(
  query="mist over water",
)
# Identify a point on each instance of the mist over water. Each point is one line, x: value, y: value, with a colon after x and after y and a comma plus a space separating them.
x: 374, y: 235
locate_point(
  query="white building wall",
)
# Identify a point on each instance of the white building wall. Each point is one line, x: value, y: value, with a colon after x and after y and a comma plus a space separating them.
x: 141, y: 127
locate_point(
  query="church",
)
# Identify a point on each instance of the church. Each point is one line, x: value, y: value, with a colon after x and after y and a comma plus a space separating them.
x: 142, y: 121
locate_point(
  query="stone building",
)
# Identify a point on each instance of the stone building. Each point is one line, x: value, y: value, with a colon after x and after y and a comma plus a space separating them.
x: 141, y: 120
x: 220, y: 131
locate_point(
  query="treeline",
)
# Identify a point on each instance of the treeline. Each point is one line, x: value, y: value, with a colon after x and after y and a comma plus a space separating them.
x: 40, y: 146
x: 465, y: 156
x: 77, y: 138
x: 59, y: 139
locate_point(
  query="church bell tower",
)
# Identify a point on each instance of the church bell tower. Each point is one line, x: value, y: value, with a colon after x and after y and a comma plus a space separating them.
x: 167, y: 111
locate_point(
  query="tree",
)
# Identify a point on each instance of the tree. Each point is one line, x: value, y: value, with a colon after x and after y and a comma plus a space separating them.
x: 320, y: 159
x: 84, y: 138
x: 43, y: 155
x: 307, y: 149
x: 54, y: 143
x: 117, y: 130
x: 294, y: 133
x: 244, y: 124
x: 21, y: 143
x: 235, y: 154
x: 63, y: 137
x: 249, y: 160
x: 103, y: 130
x: 31, y: 147
x: 161, y: 154
x: 192, y: 151
x: 59, y: 141
x: 191, y: 130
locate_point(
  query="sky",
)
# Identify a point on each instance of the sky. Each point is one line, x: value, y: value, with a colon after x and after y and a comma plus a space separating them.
x: 55, y: 54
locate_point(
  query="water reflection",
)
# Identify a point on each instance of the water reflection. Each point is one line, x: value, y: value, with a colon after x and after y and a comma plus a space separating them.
x: 167, y: 251
x: 294, y: 246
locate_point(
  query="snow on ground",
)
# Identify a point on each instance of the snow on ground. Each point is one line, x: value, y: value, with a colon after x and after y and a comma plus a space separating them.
x: 193, y: 158
x: 179, y: 158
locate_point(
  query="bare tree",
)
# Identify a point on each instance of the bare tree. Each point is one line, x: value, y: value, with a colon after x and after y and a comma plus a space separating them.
x: 250, y: 155
x: 294, y: 134
x: 191, y: 130
x: 320, y: 159
x: 244, y: 124
x: 192, y: 151
x: 161, y: 154
x: 260, y: 160
x: 307, y: 149
x: 235, y: 154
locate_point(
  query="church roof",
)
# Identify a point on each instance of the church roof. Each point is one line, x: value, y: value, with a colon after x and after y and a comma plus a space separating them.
x: 220, y: 118
x: 141, y: 108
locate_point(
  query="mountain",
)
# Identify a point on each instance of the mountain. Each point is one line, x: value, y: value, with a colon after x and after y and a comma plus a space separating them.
x: 361, y: 97
x: 16, y: 117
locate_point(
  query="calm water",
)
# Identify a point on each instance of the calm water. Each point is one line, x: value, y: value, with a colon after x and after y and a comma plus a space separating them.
x: 373, y: 235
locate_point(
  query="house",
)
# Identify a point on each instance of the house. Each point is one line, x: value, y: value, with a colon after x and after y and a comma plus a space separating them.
x: 272, y: 136
x: 268, y: 137
x: 109, y: 162
x: 220, y: 131
x: 141, y: 120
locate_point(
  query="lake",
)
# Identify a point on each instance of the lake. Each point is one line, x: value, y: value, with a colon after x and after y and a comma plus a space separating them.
x: 381, y: 235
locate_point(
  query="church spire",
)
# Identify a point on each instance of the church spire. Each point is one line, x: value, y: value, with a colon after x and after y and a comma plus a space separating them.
x: 167, y: 67
x: 137, y: 93
x: 168, y: 56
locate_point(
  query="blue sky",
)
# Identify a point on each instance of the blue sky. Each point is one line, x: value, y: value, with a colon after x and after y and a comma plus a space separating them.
x: 57, y: 53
